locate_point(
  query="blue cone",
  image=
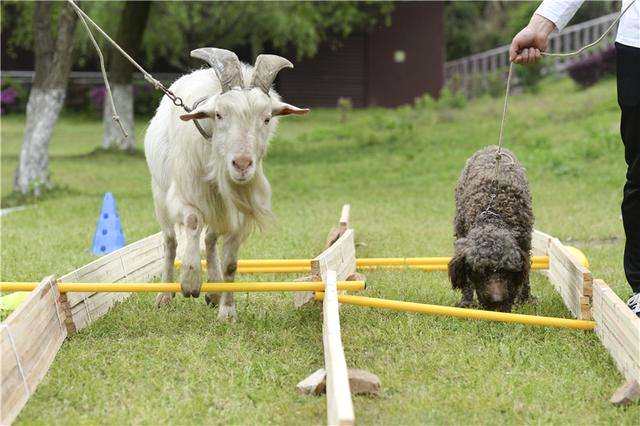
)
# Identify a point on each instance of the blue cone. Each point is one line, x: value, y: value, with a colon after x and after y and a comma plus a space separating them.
x: 109, y: 235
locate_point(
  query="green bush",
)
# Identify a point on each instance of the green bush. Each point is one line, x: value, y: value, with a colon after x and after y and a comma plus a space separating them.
x: 449, y: 99
x: 425, y: 102
x: 530, y: 76
x: 496, y: 84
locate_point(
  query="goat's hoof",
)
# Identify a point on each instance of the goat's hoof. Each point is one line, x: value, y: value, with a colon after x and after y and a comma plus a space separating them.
x: 163, y: 299
x: 190, y: 282
x: 212, y: 299
x: 227, y: 313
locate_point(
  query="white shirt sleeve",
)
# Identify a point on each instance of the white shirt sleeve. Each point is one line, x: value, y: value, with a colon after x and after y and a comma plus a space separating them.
x: 559, y: 12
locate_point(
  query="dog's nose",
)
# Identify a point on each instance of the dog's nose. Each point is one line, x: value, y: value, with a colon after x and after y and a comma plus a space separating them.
x: 242, y: 162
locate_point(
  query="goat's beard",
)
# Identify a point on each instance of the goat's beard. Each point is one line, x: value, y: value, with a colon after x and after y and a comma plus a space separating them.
x: 248, y: 204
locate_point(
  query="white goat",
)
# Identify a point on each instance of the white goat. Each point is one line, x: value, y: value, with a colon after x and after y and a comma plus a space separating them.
x: 217, y: 182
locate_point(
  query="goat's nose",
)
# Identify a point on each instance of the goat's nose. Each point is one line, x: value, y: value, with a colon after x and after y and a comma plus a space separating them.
x: 242, y: 163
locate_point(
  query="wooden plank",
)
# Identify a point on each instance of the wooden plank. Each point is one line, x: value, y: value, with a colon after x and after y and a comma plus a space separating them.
x: 139, y: 261
x: 339, y: 403
x: 617, y: 323
x: 540, y: 243
x: 341, y: 257
x: 111, y: 267
x: 29, y: 340
x: 570, y: 295
x: 339, y: 254
x: 618, y: 330
x: 573, y: 266
x: 344, y: 217
x: 96, y: 306
x: 572, y: 280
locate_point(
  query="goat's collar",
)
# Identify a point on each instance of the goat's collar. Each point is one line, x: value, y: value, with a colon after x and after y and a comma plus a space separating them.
x: 203, y: 132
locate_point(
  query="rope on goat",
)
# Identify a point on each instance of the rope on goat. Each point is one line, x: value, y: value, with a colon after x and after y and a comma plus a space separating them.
x: 506, y: 101
x: 177, y: 101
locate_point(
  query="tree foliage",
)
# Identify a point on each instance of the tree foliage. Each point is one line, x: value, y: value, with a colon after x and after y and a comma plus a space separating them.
x: 175, y: 28
x: 472, y: 27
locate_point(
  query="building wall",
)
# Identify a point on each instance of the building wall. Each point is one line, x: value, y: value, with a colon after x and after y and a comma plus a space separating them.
x: 388, y: 66
x: 332, y: 73
x: 406, y: 59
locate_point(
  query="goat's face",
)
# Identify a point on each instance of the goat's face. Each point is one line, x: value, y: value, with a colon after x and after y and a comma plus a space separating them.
x: 490, y: 260
x: 243, y: 122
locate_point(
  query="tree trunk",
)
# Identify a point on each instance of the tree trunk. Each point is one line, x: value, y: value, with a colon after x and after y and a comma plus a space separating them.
x: 113, y: 137
x: 133, y: 22
x: 52, y: 67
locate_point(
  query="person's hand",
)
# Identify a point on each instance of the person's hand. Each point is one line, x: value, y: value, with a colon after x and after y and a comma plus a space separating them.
x: 531, y: 40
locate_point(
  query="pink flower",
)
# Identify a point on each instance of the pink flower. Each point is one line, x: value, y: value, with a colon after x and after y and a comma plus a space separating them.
x: 97, y: 95
x: 8, y: 96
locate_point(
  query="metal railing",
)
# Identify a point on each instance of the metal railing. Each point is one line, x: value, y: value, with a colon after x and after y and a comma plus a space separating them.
x: 477, y: 68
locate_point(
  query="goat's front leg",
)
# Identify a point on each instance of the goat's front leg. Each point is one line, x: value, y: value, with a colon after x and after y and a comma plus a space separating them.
x: 170, y: 245
x: 213, y: 266
x: 227, y: 310
x: 191, y: 277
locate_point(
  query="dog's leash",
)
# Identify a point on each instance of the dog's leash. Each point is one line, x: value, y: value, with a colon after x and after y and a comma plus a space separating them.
x: 499, y: 153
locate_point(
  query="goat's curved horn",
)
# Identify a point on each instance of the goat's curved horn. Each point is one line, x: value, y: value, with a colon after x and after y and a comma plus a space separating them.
x: 225, y: 64
x: 265, y: 70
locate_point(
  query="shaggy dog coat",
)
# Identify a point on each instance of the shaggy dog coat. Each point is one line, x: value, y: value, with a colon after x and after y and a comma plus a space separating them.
x: 493, y: 238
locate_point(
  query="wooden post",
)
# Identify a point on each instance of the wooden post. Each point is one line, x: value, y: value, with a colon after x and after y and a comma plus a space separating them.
x: 339, y: 253
x: 66, y: 312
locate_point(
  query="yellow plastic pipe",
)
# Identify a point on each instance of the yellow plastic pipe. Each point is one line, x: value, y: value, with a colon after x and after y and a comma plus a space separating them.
x: 251, y: 266
x: 579, y: 255
x: 426, y: 261
x: 270, y: 269
x: 397, y: 305
x: 175, y: 287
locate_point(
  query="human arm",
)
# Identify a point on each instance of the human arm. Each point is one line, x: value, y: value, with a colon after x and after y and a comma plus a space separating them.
x: 527, y: 45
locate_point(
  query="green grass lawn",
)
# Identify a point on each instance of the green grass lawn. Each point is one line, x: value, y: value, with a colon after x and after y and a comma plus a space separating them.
x: 398, y: 169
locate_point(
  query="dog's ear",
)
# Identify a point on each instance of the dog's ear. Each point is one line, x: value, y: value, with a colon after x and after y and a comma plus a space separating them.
x: 457, y: 265
x: 525, y: 266
x: 513, y: 260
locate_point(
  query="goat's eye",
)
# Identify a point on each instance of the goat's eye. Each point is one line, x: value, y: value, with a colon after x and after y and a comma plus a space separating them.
x: 266, y: 120
x: 218, y: 116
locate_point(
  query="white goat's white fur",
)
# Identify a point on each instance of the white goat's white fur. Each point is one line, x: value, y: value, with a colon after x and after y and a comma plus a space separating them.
x: 192, y: 178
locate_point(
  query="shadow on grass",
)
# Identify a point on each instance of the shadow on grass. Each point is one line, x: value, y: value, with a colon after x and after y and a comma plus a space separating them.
x: 16, y: 198
x: 102, y: 153
x: 97, y: 153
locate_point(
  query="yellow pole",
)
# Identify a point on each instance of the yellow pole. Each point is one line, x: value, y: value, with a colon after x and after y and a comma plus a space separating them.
x: 252, y: 266
x: 273, y: 262
x: 175, y: 287
x: 271, y: 269
x: 463, y: 313
x: 579, y: 255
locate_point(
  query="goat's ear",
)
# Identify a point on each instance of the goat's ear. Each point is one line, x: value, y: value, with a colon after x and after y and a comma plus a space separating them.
x: 195, y: 115
x: 281, y: 108
x: 203, y: 109
x: 458, y: 267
